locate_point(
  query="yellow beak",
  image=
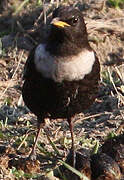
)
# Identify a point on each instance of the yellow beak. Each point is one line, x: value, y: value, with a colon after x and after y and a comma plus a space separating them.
x: 58, y: 23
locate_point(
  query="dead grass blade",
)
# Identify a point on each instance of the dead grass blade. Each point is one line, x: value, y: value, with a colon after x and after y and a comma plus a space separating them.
x: 78, y: 173
x: 11, y: 81
x: 95, y: 25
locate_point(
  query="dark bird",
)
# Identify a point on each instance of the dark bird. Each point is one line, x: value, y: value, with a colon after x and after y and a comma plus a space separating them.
x: 61, y: 75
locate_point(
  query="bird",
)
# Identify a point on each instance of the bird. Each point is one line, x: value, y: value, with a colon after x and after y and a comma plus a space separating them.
x: 62, y: 73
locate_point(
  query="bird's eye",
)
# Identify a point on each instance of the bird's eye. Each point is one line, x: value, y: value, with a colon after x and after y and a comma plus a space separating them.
x: 74, y: 20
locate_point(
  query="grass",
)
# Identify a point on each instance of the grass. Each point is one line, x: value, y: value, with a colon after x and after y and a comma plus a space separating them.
x: 21, y: 174
x: 81, y: 175
x: 116, y: 3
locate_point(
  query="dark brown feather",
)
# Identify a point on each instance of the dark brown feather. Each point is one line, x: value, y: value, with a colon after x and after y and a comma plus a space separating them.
x: 46, y: 97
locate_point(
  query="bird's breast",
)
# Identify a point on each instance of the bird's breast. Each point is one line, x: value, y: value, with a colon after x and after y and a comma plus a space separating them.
x: 63, y: 69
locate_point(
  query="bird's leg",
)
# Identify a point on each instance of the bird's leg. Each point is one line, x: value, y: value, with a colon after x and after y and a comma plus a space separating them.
x: 32, y: 155
x: 71, y: 125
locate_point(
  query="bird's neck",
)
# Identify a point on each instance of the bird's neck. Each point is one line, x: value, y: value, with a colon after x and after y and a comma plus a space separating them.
x: 60, y: 44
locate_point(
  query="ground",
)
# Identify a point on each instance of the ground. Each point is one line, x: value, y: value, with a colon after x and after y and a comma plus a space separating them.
x: 21, y: 28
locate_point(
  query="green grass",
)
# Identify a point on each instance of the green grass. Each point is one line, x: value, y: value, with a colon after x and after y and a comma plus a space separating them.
x: 21, y: 174
x: 116, y: 3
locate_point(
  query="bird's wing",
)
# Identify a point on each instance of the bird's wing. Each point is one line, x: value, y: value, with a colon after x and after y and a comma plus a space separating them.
x: 29, y: 66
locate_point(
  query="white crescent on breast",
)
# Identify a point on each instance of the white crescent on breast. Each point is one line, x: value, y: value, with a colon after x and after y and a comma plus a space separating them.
x: 73, y: 68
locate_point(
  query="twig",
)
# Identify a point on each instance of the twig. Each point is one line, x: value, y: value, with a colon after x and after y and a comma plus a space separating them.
x: 5, y: 83
x: 52, y: 143
x: 119, y: 74
x: 20, y: 7
x: 92, y: 116
x: 111, y: 79
x: 10, y: 82
x: 23, y: 141
x: 25, y: 137
x: 39, y: 17
x: 93, y: 25
x: 120, y: 128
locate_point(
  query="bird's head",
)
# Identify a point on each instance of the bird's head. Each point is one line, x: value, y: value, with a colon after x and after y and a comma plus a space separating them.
x: 68, y: 28
x: 70, y: 20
